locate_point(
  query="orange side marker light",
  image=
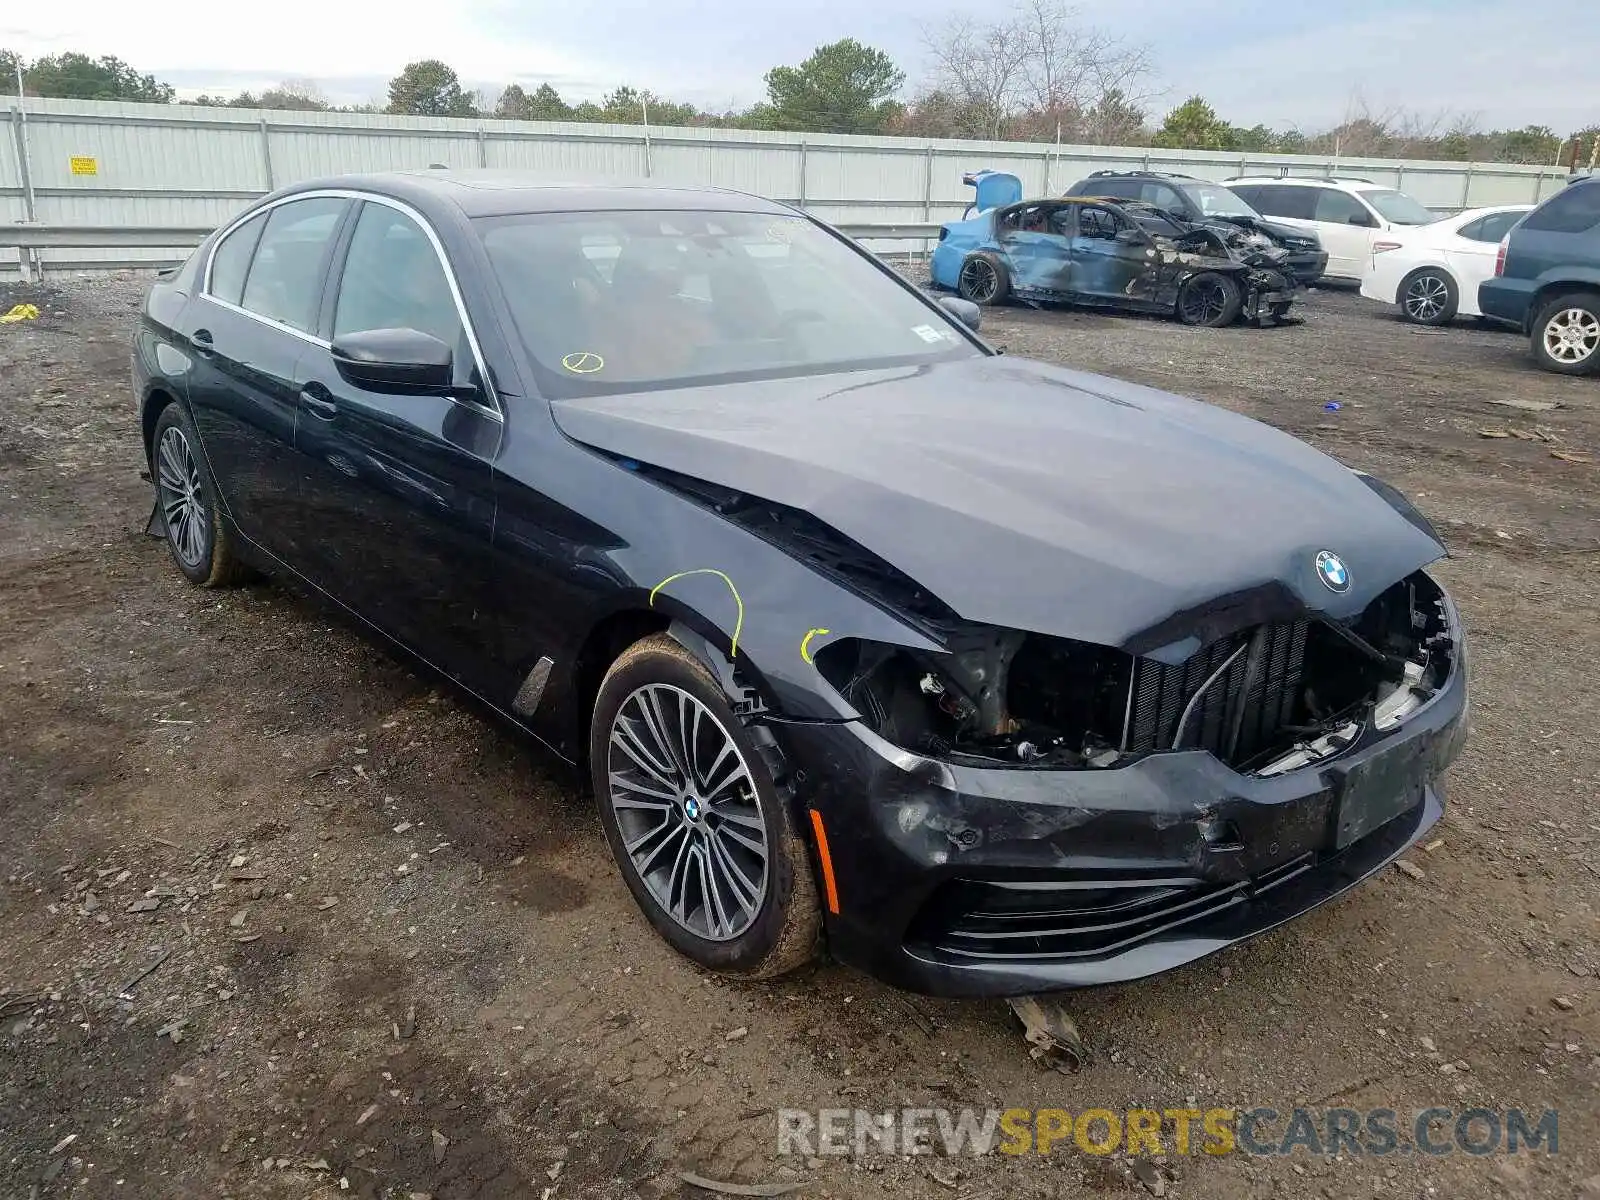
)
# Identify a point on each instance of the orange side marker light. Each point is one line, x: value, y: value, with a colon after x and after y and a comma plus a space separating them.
x: 830, y: 888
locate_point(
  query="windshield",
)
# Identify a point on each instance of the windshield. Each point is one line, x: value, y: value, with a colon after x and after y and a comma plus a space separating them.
x: 628, y: 301
x: 1398, y: 207
x: 1216, y: 201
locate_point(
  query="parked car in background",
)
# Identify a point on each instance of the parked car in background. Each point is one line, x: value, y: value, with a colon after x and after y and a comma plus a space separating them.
x: 1201, y: 202
x: 1432, y: 272
x: 1115, y: 254
x: 1547, y: 279
x: 1348, y: 215
x: 1001, y: 676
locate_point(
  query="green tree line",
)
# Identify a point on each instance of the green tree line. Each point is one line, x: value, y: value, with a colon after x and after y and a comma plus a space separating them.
x: 848, y: 87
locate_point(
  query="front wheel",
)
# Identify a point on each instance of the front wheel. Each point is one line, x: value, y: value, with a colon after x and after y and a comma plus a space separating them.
x: 1428, y: 297
x: 1211, y: 300
x: 704, y: 837
x: 187, y: 495
x: 1566, y: 334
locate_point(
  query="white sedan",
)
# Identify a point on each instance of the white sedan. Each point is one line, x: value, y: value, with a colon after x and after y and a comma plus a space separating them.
x: 1433, y: 271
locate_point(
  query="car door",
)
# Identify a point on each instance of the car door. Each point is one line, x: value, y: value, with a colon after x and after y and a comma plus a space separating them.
x: 1111, y: 258
x: 1346, y: 227
x: 1039, y: 255
x: 398, y: 484
x: 1470, y: 253
x: 250, y: 324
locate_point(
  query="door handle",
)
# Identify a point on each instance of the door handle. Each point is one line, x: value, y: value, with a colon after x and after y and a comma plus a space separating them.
x: 315, y: 400
x: 203, y: 344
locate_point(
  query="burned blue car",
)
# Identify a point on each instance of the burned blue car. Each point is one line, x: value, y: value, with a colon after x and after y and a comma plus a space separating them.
x: 1109, y: 253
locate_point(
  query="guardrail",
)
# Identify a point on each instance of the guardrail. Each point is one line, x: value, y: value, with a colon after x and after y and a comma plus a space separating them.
x: 28, y: 240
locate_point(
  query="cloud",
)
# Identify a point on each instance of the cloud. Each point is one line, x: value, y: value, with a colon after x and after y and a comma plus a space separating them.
x: 1467, y: 59
x: 1257, y: 61
x: 291, y: 39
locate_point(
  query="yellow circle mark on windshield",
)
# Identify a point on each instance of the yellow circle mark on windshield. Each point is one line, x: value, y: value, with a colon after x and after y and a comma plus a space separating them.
x: 584, y: 362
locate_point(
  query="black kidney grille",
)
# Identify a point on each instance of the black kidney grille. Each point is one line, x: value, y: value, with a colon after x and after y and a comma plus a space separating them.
x: 1257, y: 689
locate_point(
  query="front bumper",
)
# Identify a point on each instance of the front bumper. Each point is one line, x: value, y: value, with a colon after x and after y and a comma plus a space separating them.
x: 1307, y: 266
x: 964, y: 881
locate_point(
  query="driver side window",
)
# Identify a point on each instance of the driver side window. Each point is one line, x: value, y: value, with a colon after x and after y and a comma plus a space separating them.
x: 393, y: 279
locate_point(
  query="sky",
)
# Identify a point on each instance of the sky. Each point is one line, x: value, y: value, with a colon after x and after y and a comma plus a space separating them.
x: 1275, y: 62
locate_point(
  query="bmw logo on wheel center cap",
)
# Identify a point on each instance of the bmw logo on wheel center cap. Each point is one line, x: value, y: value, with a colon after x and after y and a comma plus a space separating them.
x: 1332, y: 571
x: 691, y: 808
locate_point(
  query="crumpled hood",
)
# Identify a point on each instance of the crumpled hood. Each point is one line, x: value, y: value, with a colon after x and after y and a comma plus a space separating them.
x: 1035, y: 497
x: 1271, y: 228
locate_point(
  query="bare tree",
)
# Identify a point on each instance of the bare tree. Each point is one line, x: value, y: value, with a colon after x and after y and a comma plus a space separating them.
x: 1036, y: 67
x: 982, y: 65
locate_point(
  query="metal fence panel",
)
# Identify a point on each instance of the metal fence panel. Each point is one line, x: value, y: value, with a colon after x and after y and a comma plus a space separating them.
x: 177, y: 165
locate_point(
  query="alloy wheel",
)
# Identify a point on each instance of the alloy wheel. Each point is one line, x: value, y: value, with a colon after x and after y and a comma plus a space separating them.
x: 182, y: 500
x: 979, y: 280
x: 1204, y: 302
x: 1572, y: 335
x: 1425, y: 298
x: 687, y: 809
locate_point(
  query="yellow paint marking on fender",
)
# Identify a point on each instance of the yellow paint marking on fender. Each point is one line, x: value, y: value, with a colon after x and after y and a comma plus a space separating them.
x: 738, y: 624
x: 805, y: 642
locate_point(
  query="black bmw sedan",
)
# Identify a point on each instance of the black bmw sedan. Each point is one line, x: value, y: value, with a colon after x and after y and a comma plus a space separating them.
x: 994, y: 677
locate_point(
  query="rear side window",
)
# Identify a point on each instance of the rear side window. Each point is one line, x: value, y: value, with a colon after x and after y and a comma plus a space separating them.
x: 1286, y: 200
x: 1250, y: 195
x: 285, y: 278
x: 1339, y: 208
x: 1489, y: 229
x: 393, y: 279
x: 231, y: 259
x: 1576, y: 210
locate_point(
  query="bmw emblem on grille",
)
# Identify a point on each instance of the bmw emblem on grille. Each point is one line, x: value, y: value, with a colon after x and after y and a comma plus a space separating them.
x: 1332, y: 571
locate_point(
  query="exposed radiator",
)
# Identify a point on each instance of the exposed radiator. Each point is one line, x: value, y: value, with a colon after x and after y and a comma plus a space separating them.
x: 1241, y: 710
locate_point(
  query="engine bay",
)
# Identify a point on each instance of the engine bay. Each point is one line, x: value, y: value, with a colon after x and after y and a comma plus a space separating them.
x: 1265, y: 700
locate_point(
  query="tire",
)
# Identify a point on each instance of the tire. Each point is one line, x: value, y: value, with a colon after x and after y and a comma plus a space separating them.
x: 1566, y: 334
x: 1209, y: 299
x: 196, y: 534
x: 983, y: 279
x: 752, y: 922
x: 1428, y: 296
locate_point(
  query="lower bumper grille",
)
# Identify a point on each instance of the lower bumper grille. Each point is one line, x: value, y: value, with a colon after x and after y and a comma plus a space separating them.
x: 1230, y: 698
x: 996, y: 921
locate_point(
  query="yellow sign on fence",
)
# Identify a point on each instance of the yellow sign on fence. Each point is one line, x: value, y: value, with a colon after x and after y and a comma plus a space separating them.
x: 82, y: 165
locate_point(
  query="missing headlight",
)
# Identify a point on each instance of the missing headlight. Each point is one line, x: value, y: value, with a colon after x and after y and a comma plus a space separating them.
x: 998, y: 696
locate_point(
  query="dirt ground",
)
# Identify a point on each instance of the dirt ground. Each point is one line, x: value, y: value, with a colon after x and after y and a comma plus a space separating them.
x: 281, y: 917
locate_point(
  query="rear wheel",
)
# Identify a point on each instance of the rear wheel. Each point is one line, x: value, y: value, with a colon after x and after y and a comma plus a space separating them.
x: 983, y: 279
x: 1566, y: 334
x: 1211, y: 300
x: 704, y: 837
x: 187, y: 495
x: 1428, y: 297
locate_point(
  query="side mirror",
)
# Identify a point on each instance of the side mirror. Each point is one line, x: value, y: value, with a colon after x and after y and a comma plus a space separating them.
x: 965, y: 311
x: 394, y: 360
x: 1363, y: 219
x: 1128, y: 237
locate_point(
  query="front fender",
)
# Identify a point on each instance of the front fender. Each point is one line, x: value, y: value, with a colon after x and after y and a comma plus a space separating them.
x: 764, y: 609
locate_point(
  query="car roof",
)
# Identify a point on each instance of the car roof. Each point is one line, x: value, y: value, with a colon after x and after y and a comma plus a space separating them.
x: 1090, y: 198
x: 1141, y: 174
x: 1337, y: 184
x: 507, y: 193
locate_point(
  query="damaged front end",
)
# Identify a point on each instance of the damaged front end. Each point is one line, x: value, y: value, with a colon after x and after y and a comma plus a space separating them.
x: 1261, y: 266
x: 1265, y: 700
x: 1042, y: 813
